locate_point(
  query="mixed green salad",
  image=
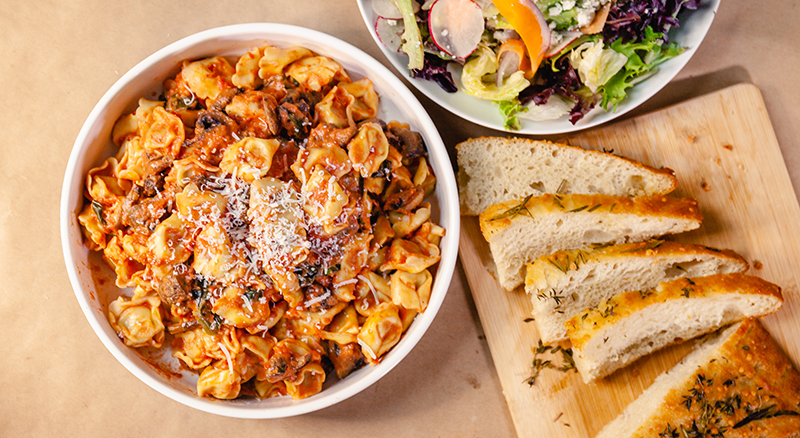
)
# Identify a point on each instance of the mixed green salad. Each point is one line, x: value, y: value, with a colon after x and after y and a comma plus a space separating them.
x: 547, y: 59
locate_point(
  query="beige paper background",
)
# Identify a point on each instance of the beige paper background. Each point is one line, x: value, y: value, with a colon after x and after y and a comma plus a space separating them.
x: 57, y: 58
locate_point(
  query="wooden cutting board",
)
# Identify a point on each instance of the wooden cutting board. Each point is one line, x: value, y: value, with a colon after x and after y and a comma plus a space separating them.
x: 725, y: 154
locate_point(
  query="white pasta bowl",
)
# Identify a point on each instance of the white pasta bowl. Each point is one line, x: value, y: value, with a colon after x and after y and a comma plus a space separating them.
x: 93, y: 282
x: 483, y: 112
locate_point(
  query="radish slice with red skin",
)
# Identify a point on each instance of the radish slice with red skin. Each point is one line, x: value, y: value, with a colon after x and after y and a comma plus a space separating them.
x: 567, y: 38
x: 389, y: 32
x: 385, y: 9
x: 456, y: 26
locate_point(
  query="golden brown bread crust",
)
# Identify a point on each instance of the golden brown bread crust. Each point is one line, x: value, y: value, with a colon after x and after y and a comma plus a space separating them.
x: 664, y: 171
x: 499, y: 216
x: 749, y: 389
x: 561, y: 262
x: 583, y: 326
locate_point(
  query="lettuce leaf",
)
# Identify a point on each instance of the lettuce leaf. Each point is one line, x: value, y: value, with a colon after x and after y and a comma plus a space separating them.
x: 596, y: 64
x: 412, y: 45
x: 643, y: 59
x: 555, y: 108
x: 482, y: 63
x: 509, y: 109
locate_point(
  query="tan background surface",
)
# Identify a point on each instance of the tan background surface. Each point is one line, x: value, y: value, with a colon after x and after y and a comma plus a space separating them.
x: 56, y: 378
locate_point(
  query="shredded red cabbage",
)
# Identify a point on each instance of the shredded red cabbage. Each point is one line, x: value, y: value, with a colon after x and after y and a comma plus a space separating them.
x: 628, y: 20
x: 435, y: 69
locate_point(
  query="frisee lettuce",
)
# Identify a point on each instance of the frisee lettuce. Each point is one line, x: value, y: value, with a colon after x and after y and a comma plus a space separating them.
x: 509, y: 110
x: 644, y: 56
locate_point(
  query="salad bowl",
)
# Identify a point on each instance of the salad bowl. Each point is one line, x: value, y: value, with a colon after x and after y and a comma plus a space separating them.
x: 694, y: 26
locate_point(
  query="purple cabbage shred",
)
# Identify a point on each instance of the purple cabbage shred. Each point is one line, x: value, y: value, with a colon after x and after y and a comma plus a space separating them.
x: 435, y: 69
x: 628, y: 20
x: 564, y: 81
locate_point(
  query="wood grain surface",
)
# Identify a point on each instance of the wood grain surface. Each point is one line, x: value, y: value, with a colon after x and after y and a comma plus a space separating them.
x: 725, y: 154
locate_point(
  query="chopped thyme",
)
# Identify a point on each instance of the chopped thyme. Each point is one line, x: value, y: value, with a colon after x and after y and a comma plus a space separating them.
x: 528, y: 319
x: 558, y: 299
x: 689, y: 280
x: 568, y: 363
x: 608, y: 311
x: 515, y: 211
x: 97, y: 208
x: 612, y: 207
x: 561, y: 186
x: 686, y: 291
x: 645, y: 294
x: 669, y: 432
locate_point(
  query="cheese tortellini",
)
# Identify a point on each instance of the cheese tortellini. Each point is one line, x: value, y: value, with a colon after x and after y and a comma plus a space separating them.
x: 270, y: 226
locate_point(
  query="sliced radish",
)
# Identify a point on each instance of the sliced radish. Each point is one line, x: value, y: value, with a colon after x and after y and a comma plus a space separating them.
x: 427, y: 5
x: 566, y: 39
x: 456, y: 26
x: 389, y: 32
x: 385, y: 9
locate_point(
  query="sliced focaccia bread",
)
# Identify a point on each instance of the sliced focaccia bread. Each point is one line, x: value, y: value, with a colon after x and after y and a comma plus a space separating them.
x: 521, y: 231
x: 567, y: 282
x: 735, y: 384
x: 492, y: 170
x: 630, y: 325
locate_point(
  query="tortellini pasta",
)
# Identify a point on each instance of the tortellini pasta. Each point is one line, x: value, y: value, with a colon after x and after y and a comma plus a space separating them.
x: 269, y: 224
x: 209, y: 77
x: 250, y: 158
x: 381, y: 331
x: 137, y: 320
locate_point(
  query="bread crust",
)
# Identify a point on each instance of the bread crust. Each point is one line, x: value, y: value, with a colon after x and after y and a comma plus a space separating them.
x: 498, y: 217
x: 747, y: 377
x: 588, y: 323
x: 560, y: 263
x: 663, y: 178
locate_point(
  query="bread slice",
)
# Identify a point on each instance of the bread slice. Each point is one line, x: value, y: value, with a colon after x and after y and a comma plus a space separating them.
x: 735, y: 384
x: 632, y: 324
x: 492, y: 170
x: 565, y: 283
x: 521, y: 231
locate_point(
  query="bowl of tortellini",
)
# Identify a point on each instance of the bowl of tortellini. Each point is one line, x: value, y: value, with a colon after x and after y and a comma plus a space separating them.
x: 259, y: 220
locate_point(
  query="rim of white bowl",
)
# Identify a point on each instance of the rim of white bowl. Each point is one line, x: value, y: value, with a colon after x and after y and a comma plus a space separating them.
x: 598, y: 116
x: 449, y: 220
